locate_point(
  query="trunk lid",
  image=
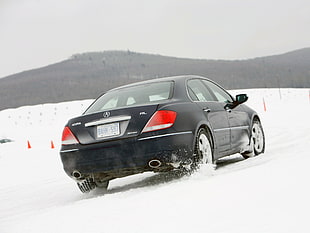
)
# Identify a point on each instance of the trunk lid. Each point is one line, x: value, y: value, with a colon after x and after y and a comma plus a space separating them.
x: 111, y: 125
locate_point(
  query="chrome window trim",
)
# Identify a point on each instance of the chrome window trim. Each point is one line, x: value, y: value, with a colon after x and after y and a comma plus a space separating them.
x: 208, y: 80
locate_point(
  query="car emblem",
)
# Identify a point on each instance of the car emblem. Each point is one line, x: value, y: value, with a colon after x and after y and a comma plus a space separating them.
x: 106, y: 114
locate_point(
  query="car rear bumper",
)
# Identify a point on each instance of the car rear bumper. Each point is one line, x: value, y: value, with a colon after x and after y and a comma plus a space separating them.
x: 127, y: 156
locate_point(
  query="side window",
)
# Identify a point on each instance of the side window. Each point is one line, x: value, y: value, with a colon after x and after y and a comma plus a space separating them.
x: 198, y: 92
x: 220, y: 94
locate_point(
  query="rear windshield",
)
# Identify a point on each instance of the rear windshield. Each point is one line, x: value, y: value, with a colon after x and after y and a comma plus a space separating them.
x: 132, y: 96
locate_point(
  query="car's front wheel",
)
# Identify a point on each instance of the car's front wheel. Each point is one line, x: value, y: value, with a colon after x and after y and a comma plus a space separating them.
x: 257, y: 142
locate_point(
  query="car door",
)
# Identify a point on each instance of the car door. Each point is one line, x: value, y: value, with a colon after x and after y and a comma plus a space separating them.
x: 238, y: 119
x: 240, y: 129
x: 214, y: 111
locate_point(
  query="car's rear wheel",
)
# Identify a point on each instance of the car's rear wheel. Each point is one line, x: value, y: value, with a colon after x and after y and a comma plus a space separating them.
x: 257, y: 142
x: 203, y: 148
x: 86, y: 185
x: 89, y: 184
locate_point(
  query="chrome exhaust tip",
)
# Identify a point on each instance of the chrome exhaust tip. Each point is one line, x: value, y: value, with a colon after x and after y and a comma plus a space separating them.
x: 155, y: 163
x: 76, y: 174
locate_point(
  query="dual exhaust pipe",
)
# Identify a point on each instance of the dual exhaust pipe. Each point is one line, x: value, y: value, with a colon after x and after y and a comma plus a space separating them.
x: 154, y: 163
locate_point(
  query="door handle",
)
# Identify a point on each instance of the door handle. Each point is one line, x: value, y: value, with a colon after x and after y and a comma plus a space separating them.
x: 206, y: 109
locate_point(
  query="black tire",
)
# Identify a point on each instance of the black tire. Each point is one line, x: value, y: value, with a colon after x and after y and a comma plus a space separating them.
x: 86, y: 185
x: 257, y: 140
x: 89, y: 184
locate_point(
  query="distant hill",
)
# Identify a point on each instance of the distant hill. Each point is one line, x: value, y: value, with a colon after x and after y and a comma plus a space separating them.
x: 87, y: 75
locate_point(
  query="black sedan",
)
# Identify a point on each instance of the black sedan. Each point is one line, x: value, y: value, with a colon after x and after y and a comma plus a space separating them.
x: 158, y: 125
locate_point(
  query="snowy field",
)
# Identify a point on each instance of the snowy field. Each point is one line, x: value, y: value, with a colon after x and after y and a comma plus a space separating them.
x: 268, y: 193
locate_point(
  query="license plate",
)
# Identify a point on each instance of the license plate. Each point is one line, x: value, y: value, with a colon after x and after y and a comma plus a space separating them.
x: 108, y: 130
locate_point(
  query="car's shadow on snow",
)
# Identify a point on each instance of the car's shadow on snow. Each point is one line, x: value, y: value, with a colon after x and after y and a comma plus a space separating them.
x: 161, y: 178
x: 154, y: 180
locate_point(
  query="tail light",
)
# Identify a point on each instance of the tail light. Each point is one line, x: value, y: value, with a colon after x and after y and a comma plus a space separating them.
x: 162, y: 119
x: 68, y: 137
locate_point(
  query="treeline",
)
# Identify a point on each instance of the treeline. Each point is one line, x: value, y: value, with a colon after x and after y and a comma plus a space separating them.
x: 87, y: 75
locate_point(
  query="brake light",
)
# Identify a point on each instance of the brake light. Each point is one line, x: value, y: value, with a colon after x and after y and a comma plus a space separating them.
x: 162, y: 119
x: 68, y: 137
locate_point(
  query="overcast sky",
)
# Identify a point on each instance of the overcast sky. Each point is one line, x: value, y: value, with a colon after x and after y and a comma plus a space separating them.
x: 36, y: 33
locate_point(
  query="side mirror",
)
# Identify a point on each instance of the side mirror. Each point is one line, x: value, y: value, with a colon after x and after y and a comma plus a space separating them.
x: 240, y: 99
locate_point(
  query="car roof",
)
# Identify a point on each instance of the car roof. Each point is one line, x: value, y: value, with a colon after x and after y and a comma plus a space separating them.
x: 163, y: 79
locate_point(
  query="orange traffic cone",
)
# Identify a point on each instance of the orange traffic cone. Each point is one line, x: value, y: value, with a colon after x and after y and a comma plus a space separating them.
x: 28, y: 143
x: 52, y: 145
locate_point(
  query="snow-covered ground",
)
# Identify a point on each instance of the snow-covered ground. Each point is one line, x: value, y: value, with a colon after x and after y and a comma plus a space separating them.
x: 268, y: 193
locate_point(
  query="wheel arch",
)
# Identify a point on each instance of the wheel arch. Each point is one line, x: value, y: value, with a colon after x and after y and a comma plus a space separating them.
x: 255, y: 117
x: 207, y: 127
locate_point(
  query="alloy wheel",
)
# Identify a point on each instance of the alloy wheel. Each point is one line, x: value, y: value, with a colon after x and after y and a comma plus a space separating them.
x: 204, y: 148
x: 258, y: 138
